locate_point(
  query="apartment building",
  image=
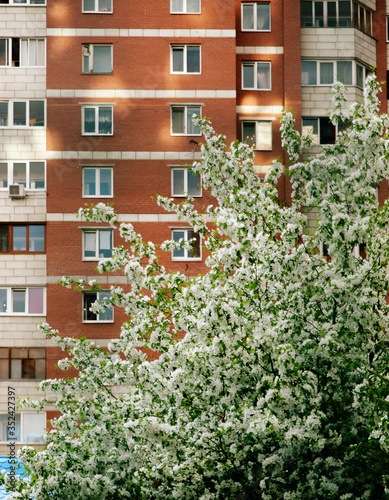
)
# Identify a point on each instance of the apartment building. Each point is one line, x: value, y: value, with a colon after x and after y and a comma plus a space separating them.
x: 96, y: 98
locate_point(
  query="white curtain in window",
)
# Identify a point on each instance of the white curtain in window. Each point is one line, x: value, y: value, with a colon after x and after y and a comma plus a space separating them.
x: 191, y: 128
x: 105, y: 120
x: 263, y: 16
x: 248, y: 17
x: 263, y: 75
x: 264, y: 135
x: 102, y: 60
x: 34, y: 425
x: 308, y: 73
x: 327, y: 73
x: 344, y: 72
x: 193, y: 6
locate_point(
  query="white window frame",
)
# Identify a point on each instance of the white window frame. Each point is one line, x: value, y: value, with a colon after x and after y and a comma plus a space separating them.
x: 10, y: 104
x: 97, y: 320
x: 186, y: 257
x: 27, y: 2
x: 96, y: 10
x: 185, y: 59
x: 255, y: 63
x: 318, y: 118
x: 257, y: 132
x: 25, y: 56
x: 10, y: 291
x: 22, y: 424
x: 88, y: 51
x: 186, y: 170
x: 97, y: 168
x: 97, y: 232
x: 96, y: 107
x: 10, y: 176
x: 254, y: 6
x: 334, y: 71
x: 185, y: 8
x: 185, y: 107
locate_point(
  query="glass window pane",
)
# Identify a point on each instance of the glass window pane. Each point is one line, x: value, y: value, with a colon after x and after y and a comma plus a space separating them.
x: 264, y: 135
x: 193, y: 59
x: 263, y: 76
x: 4, y: 353
x: 178, y: 59
x: 248, y: 17
x: 4, y: 244
x: 20, y: 118
x: 89, y: 181
x: 311, y: 126
x: 326, y: 73
x: 37, y: 114
x: 105, y: 244
x: 23, y: 52
x: 37, y: 175
x: 327, y: 131
x: 249, y: 133
x: 105, y: 5
x: 194, y: 183
x: 308, y: 73
x: 40, y: 61
x: 33, y: 53
x: 178, y: 116
x: 190, y: 126
x: 193, y: 6
x: 102, y: 60
x: 7, y: 432
x: 34, y: 425
x: 177, y: 5
x: 40, y: 368
x: 177, y: 236
x: 331, y: 14
x: 319, y: 16
x: 37, y: 2
x: 306, y: 14
x: 86, y: 63
x: 3, y: 114
x: 19, y: 352
x: 195, y: 252
x: 107, y: 315
x: 3, y: 300
x: 37, y: 352
x: 178, y: 182
x: 36, y: 238
x: 105, y: 182
x: 89, y: 299
x: 19, y: 301
x: 263, y: 16
x: 105, y: 120
x: 89, y: 244
x: 89, y: 5
x: 28, y: 368
x: 345, y: 72
x: 359, y: 76
x: 16, y: 368
x: 344, y: 13
x: 89, y: 120
x: 3, y: 52
x: 248, y: 76
x: 3, y: 175
x: 19, y: 173
x: 4, y: 368
x: 19, y: 240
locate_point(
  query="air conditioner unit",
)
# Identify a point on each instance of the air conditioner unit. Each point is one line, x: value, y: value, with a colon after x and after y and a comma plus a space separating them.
x: 16, y: 191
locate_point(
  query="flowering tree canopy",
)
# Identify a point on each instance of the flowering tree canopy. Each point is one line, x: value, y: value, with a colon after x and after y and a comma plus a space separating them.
x: 280, y: 387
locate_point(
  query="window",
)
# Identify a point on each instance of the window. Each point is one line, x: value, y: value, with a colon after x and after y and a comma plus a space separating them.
x: 22, y: 301
x: 328, y: 72
x: 97, y: 182
x: 182, y: 123
x: 97, y: 244
x: 256, y: 75
x: 22, y: 52
x: 257, y: 134
x: 97, y: 120
x: 185, y: 182
x: 22, y: 363
x: 22, y: 113
x: 90, y: 298
x: 97, y: 6
x: 321, y: 129
x: 185, y: 6
x: 15, y: 238
x: 185, y: 59
x: 23, y: 427
x: 23, y: 2
x: 256, y: 16
x: 336, y: 14
x: 184, y: 253
x: 96, y: 59
x: 31, y: 174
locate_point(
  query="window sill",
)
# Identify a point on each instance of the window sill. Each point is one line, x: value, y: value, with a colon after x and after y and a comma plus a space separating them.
x: 186, y: 259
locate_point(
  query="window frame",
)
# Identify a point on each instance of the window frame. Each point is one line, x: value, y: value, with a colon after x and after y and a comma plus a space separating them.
x: 257, y: 133
x: 96, y: 11
x: 186, y: 170
x: 186, y: 258
x: 11, y: 228
x: 91, y: 48
x: 255, y: 64
x: 11, y: 114
x: 9, y: 359
x: 22, y: 426
x: 185, y: 8
x: 96, y: 107
x: 10, y: 175
x: 27, y: 3
x: 255, y: 29
x: 185, y: 107
x: 9, y: 42
x: 97, y: 168
x: 185, y: 59
x: 10, y: 301
x: 336, y: 129
x: 354, y: 72
x: 97, y: 231
x: 97, y: 320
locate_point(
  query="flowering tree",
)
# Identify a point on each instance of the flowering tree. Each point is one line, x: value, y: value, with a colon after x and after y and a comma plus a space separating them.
x: 279, y: 388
